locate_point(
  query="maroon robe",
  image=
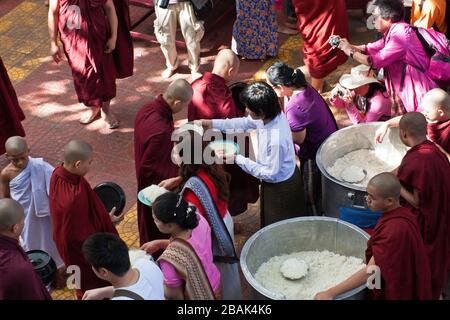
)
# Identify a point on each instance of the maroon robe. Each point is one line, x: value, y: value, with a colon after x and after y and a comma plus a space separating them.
x: 10, y: 113
x: 213, y: 99
x: 153, y: 146
x: 399, y: 252
x: 426, y: 169
x: 18, y: 281
x: 123, y: 54
x: 440, y: 133
x: 94, y: 71
x: 77, y: 213
x: 316, y: 22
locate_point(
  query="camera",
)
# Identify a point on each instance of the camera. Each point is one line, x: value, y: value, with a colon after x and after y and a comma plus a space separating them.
x: 334, y: 41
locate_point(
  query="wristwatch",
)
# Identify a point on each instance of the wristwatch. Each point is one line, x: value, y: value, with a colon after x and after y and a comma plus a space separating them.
x: 352, y: 52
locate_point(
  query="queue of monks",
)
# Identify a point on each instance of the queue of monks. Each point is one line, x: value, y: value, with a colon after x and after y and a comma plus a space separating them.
x: 189, y: 230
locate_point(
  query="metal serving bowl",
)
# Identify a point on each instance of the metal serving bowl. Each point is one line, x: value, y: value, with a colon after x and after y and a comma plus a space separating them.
x: 302, y: 234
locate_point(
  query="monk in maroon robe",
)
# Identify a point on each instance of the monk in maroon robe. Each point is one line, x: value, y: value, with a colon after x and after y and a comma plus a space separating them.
x: 153, y: 149
x: 395, y: 247
x: 316, y: 22
x: 18, y: 281
x: 213, y: 99
x: 97, y: 50
x: 425, y: 177
x: 10, y: 113
x: 77, y: 212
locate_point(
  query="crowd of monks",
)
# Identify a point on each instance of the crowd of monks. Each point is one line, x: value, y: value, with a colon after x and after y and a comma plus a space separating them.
x: 410, y: 244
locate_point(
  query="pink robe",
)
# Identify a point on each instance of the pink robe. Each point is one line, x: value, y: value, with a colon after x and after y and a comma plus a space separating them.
x: 401, y: 55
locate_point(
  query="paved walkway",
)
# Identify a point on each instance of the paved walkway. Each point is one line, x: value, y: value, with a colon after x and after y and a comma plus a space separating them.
x: 46, y: 94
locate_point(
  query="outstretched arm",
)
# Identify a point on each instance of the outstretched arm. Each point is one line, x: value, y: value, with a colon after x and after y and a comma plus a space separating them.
x: 110, y: 11
x: 354, y: 281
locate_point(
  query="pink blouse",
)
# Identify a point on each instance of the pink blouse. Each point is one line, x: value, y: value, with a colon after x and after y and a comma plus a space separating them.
x: 201, y: 241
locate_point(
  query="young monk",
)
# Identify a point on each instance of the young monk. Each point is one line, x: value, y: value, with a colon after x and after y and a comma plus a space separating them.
x: 89, y: 35
x: 153, y: 148
x: 425, y: 177
x: 77, y: 212
x: 213, y: 99
x: 27, y: 180
x: 396, y: 247
x: 18, y: 281
x: 436, y: 109
x: 10, y: 113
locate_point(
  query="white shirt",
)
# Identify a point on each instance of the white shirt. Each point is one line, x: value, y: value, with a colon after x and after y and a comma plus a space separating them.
x: 150, y: 283
x: 275, y: 161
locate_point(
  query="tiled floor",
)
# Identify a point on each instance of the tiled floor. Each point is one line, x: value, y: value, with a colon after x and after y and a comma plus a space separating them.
x: 47, y: 96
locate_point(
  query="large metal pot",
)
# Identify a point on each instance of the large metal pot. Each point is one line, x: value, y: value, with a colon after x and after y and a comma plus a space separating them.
x: 337, y: 194
x: 302, y: 234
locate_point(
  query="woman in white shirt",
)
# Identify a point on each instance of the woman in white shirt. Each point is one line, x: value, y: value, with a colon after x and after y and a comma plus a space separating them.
x: 281, y: 190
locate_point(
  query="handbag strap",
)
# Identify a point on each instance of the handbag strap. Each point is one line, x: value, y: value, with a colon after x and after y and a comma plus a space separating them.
x: 127, y: 293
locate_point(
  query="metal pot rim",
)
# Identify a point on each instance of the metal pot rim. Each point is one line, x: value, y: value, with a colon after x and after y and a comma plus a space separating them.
x: 324, y: 170
x: 274, y: 296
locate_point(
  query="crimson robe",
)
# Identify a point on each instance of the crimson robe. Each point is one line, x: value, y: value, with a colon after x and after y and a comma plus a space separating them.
x: 426, y: 169
x: 213, y: 99
x: 440, y: 134
x: 77, y: 213
x: 18, y: 281
x: 123, y: 54
x: 399, y: 252
x: 316, y: 22
x: 84, y: 34
x: 153, y: 130
x: 10, y: 113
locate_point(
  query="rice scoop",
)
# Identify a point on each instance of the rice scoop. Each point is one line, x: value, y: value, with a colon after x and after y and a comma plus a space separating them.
x: 294, y: 268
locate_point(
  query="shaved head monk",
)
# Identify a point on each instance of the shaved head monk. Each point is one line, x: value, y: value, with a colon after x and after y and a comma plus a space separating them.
x: 153, y: 147
x: 19, y: 281
x: 436, y: 109
x: 213, y: 99
x: 27, y: 180
x: 97, y: 43
x: 395, y: 247
x: 77, y: 212
x: 10, y: 113
x: 425, y: 177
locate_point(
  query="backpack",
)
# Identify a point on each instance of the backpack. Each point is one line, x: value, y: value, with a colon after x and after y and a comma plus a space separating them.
x: 437, y: 47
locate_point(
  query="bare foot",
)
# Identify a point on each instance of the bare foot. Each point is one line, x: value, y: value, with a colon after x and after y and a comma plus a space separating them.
x: 167, y: 73
x: 90, y: 116
x: 290, y: 25
x: 286, y: 30
x: 110, y: 120
x: 46, y: 2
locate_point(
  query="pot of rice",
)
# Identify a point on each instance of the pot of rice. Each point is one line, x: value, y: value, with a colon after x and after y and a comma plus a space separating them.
x: 332, y: 249
x: 345, y: 155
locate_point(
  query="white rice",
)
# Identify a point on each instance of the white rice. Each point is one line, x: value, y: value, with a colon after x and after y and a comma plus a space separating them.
x: 326, y: 269
x: 369, y: 160
x: 152, y: 192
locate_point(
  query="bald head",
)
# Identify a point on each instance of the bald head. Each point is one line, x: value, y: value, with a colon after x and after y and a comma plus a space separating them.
x: 77, y: 150
x: 386, y: 185
x: 436, y: 98
x: 414, y: 124
x: 16, y: 145
x: 225, y: 60
x: 180, y: 90
x: 11, y: 213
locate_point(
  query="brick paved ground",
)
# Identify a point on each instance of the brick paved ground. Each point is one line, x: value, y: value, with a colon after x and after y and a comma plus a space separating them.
x: 47, y: 96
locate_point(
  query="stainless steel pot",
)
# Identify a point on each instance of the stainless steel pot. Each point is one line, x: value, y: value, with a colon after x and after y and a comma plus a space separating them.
x: 336, y: 193
x: 302, y: 234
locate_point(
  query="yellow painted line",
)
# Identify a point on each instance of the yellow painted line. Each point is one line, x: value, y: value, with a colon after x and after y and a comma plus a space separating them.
x: 24, y: 39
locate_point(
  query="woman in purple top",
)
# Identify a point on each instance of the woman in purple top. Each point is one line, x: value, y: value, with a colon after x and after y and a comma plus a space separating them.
x: 399, y: 53
x: 364, y: 98
x: 310, y: 120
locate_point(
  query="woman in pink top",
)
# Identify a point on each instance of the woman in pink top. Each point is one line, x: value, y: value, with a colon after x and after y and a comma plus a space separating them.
x: 187, y: 260
x: 363, y: 97
x: 399, y: 53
